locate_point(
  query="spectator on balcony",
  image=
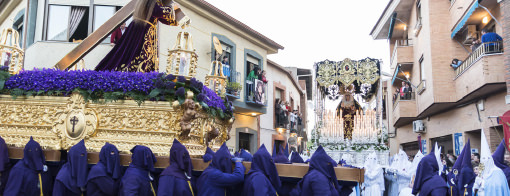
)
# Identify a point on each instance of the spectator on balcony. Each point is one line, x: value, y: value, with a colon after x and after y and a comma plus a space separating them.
x: 456, y: 63
x: 402, y: 90
x: 117, y: 34
x: 488, y: 39
x: 226, y: 67
x: 408, y: 91
x: 250, y: 79
x: 262, y: 76
x: 292, y: 119
x: 284, y: 113
x: 300, y: 122
x: 476, y: 43
x: 278, y: 111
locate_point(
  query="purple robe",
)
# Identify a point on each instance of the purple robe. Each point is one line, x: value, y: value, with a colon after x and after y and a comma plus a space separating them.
x: 427, y: 181
x: 321, y: 177
x: 245, y: 155
x: 209, y: 154
x: 176, y: 178
x: 104, y: 177
x: 499, y: 160
x: 24, y: 176
x: 137, y: 49
x: 295, y: 158
x: 218, y: 179
x: 263, y: 177
x: 280, y: 157
x: 5, y: 165
x: 138, y: 180
x: 286, y: 152
x: 462, y: 176
x: 72, y: 177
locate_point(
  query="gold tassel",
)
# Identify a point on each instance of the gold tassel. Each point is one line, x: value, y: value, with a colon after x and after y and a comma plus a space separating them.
x: 191, y: 189
x: 152, y: 189
x: 40, y: 184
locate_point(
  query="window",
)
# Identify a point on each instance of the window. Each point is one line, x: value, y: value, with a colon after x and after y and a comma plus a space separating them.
x: 255, y: 85
x: 58, y: 18
x: 277, y: 144
x: 422, y: 69
x: 244, y: 141
x: 101, y: 15
x: 18, y: 25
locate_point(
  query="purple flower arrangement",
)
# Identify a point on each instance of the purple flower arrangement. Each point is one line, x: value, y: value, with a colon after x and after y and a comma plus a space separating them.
x: 112, y: 85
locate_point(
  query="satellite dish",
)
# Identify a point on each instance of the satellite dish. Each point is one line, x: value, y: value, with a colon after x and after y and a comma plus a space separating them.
x: 217, y: 45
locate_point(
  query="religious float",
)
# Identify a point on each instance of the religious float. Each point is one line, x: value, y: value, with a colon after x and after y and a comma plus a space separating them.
x: 60, y: 107
x: 354, y: 129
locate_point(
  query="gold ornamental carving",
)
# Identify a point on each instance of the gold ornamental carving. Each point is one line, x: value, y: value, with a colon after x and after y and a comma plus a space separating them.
x: 347, y: 72
x: 367, y: 72
x: 76, y: 122
x: 326, y: 73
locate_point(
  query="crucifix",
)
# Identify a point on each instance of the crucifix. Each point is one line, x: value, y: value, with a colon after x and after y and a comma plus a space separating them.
x: 74, y: 121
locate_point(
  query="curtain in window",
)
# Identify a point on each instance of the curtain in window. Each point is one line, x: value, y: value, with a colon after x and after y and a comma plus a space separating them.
x: 77, y: 14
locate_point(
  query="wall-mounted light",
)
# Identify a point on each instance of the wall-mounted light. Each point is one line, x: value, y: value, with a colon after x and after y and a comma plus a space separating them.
x: 407, y: 75
x: 485, y: 20
x: 280, y: 130
x: 405, y: 27
x: 253, y: 114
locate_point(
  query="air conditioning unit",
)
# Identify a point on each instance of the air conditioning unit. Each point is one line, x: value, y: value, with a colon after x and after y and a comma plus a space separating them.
x: 418, y: 126
x: 471, y: 34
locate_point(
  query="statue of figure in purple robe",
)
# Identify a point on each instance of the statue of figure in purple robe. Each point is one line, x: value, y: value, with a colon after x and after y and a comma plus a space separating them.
x: 138, y: 179
x: 5, y: 165
x: 499, y: 160
x: 176, y: 178
x: 137, y: 49
x: 209, y: 154
x: 104, y: 177
x: 219, y: 179
x: 427, y: 181
x: 321, y: 177
x: 29, y: 173
x: 262, y: 179
x: 72, y: 177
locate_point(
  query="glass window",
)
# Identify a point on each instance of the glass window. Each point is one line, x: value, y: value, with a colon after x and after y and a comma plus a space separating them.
x: 244, y: 141
x: 58, y: 19
x: 102, y: 14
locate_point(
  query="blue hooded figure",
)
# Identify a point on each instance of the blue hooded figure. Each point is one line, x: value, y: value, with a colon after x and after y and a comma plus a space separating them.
x: 138, y: 179
x: 296, y: 158
x: 209, y: 154
x: 28, y: 174
x: 427, y: 181
x: 218, y: 179
x: 245, y: 155
x: 280, y: 157
x: 321, y: 177
x: 263, y: 177
x: 499, y: 160
x: 176, y: 178
x: 104, y: 177
x: 72, y: 177
x: 462, y: 177
x: 5, y: 165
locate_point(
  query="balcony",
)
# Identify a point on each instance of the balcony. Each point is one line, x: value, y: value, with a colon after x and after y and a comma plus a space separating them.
x: 402, y: 53
x: 481, y: 73
x: 404, y: 110
x: 256, y: 92
x: 234, y: 86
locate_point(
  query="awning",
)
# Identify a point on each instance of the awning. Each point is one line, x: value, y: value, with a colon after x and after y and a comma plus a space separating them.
x: 465, y: 18
x: 395, y: 74
x: 392, y: 25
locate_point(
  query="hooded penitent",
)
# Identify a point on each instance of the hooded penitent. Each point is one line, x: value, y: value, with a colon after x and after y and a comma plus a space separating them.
x: 137, y: 180
x: 296, y: 158
x: 263, y: 177
x: 72, y: 178
x: 321, y: 177
x: 280, y: 157
x: 209, y: 154
x: 462, y: 177
x: 176, y: 178
x: 374, y: 179
x: 499, y: 159
x: 495, y: 182
x: 427, y: 180
x: 417, y: 158
x: 218, y: 178
x: 27, y: 175
x: 5, y: 166
x: 245, y: 155
x: 103, y: 177
x: 401, y: 166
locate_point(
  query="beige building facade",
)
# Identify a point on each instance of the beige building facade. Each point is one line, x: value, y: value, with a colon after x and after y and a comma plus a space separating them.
x: 452, y: 104
x: 47, y: 37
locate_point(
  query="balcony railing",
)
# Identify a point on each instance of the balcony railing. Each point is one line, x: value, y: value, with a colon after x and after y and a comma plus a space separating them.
x: 234, y: 85
x: 484, y: 49
x: 399, y: 43
x: 407, y: 97
x: 256, y: 92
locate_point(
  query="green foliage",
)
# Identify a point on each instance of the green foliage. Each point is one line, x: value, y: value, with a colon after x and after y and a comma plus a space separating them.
x: 234, y: 86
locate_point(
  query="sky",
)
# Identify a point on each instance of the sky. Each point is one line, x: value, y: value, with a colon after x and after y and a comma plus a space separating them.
x: 312, y: 31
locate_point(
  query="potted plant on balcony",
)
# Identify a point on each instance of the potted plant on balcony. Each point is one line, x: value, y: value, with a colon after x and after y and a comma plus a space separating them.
x: 234, y: 88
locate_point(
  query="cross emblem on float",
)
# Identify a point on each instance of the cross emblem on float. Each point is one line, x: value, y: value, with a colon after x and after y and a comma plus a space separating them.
x: 73, y: 121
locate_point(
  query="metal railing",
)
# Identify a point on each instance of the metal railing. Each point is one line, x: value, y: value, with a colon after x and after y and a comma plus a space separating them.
x: 234, y: 85
x: 482, y: 50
